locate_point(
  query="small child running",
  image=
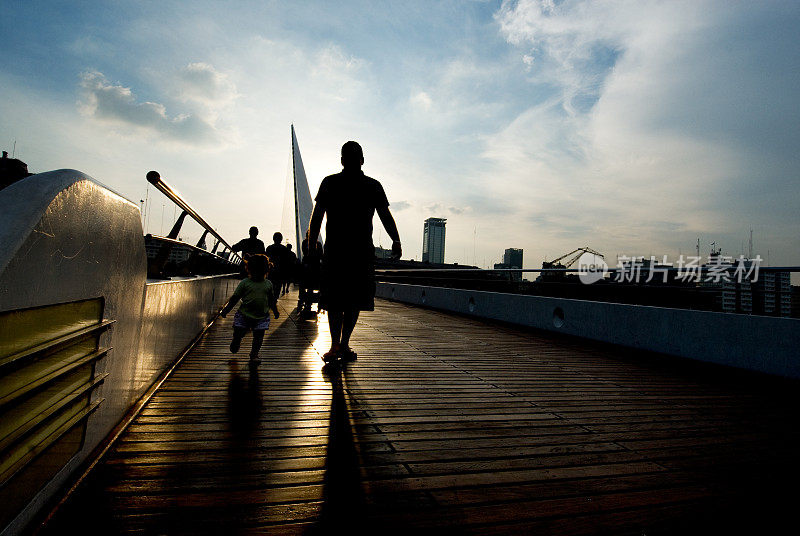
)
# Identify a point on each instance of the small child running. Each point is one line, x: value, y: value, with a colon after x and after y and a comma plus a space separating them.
x: 258, y: 297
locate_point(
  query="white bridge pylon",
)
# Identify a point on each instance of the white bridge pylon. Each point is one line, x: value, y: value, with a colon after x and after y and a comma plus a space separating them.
x: 297, y: 203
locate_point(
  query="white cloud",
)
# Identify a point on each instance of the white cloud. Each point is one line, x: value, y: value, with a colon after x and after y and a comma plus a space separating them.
x: 576, y: 40
x: 201, y: 82
x: 421, y: 101
x: 337, y: 74
x: 624, y: 124
x: 438, y: 209
x: 458, y: 210
x: 116, y: 105
x: 655, y: 127
x: 331, y: 59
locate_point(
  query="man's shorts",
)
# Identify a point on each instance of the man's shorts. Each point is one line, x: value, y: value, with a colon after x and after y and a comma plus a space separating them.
x: 242, y: 321
x: 347, y: 285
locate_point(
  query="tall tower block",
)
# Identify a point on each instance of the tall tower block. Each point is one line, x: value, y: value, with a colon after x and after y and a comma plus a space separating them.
x: 433, y: 240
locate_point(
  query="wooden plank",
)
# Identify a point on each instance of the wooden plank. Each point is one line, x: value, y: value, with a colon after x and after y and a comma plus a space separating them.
x: 443, y: 423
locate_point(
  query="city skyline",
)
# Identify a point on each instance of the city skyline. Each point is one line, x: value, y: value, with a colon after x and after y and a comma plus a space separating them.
x: 633, y: 127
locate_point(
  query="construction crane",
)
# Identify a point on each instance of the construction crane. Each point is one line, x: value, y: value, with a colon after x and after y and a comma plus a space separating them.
x: 571, y: 258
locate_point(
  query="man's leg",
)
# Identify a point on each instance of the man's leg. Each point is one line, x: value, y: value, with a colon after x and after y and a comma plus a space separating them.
x: 275, y: 284
x: 335, y: 319
x: 350, y: 319
x: 335, y: 324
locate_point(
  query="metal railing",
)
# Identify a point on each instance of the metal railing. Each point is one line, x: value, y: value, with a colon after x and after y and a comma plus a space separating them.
x: 706, y: 288
x: 156, y: 266
x: 792, y: 269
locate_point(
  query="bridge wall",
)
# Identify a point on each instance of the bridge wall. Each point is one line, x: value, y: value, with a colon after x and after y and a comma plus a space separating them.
x: 759, y: 343
x: 174, y: 313
x: 65, y: 237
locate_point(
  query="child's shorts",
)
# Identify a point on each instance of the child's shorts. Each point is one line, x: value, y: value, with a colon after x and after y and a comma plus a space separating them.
x: 242, y: 321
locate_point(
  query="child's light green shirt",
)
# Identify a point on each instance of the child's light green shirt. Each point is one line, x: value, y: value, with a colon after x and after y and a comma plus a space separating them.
x: 256, y: 297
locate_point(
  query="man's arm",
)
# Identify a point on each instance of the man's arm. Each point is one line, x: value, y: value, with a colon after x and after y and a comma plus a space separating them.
x: 391, y: 229
x: 315, y: 225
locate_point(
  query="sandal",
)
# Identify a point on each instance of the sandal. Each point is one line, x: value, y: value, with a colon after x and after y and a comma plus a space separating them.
x: 333, y: 354
x: 349, y: 355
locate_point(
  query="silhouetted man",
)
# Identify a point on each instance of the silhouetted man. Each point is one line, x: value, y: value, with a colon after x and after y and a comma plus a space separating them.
x: 349, y: 199
x: 250, y: 246
x: 309, y: 275
x: 277, y: 254
x: 290, y: 269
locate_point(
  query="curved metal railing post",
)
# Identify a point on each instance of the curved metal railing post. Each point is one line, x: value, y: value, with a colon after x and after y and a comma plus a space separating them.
x: 154, y: 178
x: 202, y: 242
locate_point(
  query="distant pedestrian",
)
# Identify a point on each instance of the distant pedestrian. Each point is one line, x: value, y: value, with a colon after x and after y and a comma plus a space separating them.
x: 290, y: 271
x: 250, y: 246
x: 349, y: 199
x: 309, y: 275
x: 277, y: 254
x: 258, y: 297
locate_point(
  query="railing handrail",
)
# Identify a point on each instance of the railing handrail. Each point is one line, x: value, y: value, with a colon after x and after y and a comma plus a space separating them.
x: 186, y: 245
x: 578, y: 270
x: 154, y: 178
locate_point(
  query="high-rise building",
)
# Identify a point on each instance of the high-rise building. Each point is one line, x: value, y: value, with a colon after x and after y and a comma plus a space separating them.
x: 381, y: 253
x: 433, y: 241
x: 772, y: 294
x: 512, y: 258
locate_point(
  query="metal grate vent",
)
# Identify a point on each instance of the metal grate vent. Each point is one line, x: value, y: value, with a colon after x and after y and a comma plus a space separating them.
x: 47, y: 374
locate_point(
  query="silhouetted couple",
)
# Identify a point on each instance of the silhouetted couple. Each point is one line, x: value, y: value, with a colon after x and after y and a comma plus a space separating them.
x: 283, y: 261
x: 281, y: 258
x: 349, y: 200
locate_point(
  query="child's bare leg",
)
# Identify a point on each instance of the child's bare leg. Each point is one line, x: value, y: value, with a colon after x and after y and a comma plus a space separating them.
x: 258, y: 338
x: 238, y: 334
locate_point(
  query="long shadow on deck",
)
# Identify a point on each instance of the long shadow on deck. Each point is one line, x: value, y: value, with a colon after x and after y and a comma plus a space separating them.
x: 343, y: 496
x: 197, y: 488
x: 343, y: 500
x: 349, y: 506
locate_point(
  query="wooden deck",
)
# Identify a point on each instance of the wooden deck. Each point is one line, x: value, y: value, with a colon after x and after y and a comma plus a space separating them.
x: 445, y: 425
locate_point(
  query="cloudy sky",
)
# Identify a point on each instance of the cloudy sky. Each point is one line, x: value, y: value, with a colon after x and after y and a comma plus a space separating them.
x: 633, y: 127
